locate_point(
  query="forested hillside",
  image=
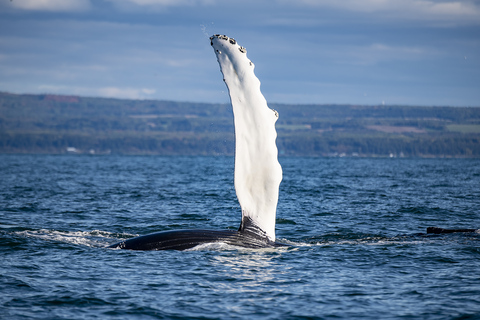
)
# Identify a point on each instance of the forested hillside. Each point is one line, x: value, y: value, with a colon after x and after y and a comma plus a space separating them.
x: 61, y: 124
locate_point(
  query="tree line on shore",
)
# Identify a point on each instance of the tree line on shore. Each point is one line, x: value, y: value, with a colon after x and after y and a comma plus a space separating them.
x: 71, y: 124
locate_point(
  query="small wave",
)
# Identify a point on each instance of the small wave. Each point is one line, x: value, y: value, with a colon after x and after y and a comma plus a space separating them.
x: 4, y: 225
x: 413, y: 239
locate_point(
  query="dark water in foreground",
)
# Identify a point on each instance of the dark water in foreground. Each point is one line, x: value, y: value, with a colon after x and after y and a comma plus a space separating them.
x: 357, y: 226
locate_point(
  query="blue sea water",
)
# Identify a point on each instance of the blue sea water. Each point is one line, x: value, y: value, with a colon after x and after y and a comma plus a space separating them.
x: 357, y: 228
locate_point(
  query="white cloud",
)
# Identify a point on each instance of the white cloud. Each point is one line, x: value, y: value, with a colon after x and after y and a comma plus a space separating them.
x: 378, y: 52
x: 51, y: 5
x: 414, y: 9
x: 126, y: 93
x: 163, y: 3
x: 107, y: 92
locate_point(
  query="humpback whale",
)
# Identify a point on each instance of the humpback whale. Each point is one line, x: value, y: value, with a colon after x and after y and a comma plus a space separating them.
x: 257, y: 173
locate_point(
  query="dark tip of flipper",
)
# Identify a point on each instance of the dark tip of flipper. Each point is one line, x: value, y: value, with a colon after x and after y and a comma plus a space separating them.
x: 222, y: 37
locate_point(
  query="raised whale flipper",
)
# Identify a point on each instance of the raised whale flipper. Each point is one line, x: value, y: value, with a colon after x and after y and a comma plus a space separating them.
x: 257, y: 171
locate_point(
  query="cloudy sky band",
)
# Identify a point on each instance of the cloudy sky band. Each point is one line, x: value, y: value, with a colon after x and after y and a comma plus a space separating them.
x: 415, y: 52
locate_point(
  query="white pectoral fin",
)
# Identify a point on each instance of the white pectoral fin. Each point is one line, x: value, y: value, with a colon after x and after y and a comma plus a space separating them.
x: 257, y: 171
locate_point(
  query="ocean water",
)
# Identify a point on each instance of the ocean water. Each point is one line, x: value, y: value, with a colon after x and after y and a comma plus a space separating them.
x: 357, y: 229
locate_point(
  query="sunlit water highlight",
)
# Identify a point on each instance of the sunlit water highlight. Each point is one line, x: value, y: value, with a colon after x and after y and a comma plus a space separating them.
x: 357, y: 229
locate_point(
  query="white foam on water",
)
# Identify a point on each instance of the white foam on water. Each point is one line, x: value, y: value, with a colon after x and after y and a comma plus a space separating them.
x: 94, y: 238
x: 222, y: 246
x: 213, y: 246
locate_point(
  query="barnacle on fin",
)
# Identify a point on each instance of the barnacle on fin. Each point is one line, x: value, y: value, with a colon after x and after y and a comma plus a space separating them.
x: 233, y: 41
x: 242, y: 50
x: 276, y: 112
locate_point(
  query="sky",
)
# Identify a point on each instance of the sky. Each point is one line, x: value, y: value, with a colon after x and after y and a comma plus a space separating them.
x: 366, y: 52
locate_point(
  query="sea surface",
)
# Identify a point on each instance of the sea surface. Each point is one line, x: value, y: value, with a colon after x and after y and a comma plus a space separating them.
x: 357, y: 228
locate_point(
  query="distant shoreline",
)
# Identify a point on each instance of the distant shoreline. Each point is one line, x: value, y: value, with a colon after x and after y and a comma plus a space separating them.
x: 55, y: 124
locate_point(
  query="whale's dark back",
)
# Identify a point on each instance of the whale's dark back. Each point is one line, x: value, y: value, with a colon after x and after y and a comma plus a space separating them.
x: 186, y: 239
